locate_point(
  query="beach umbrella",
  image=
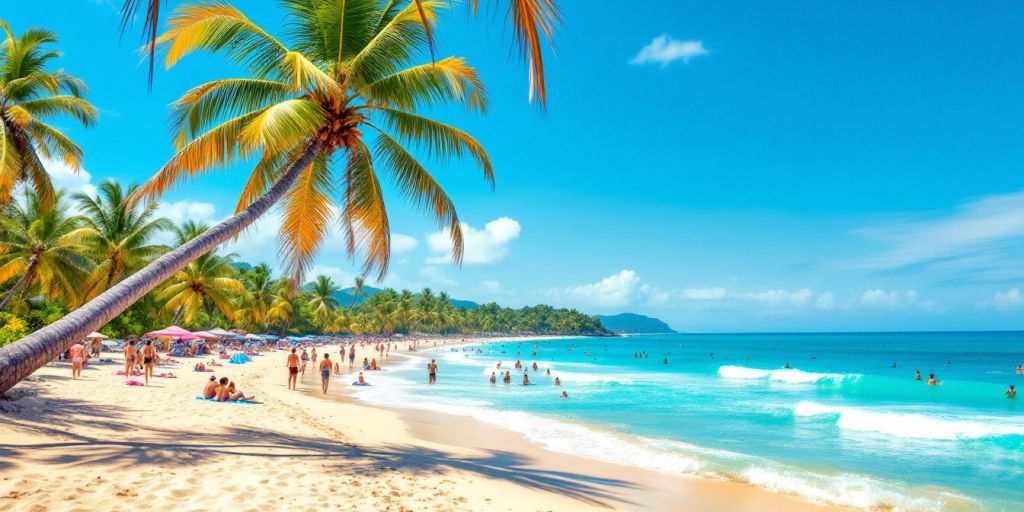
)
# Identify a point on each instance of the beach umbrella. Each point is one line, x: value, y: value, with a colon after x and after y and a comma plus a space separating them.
x: 217, y: 331
x: 96, y: 336
x: 172, y: 332
x: 206, y: 335
x: 252, y: 337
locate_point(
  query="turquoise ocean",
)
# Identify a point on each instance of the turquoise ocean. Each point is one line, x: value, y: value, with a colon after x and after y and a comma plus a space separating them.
x: 841, y: 425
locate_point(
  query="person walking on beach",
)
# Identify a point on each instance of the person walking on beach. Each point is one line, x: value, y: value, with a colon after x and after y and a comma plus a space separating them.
x: 305, y: 361
x: 129, y: 359
x: 293, y: 369
x: 77, y: 353
x: 325, y: 372
x: 351, y: 355
x: 432, y: 372
x: 148, y: 360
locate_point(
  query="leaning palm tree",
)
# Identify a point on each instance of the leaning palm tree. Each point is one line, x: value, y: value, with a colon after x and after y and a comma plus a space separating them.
x: 121, y: 241
x: 45, y: 247
x: 322, y: 300
x: 332, y: 109
x: 357, y: 291
x: 31, y: 95
x: 532, y: 20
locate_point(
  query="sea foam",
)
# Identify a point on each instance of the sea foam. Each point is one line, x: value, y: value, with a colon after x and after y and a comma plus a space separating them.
x: 788, y: 375
x: 911, y: 425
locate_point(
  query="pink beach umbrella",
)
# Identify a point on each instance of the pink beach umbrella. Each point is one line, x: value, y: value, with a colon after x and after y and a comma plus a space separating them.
x: 173, y: 332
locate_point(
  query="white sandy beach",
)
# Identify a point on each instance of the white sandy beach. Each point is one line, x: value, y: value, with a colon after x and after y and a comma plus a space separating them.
x: 97, y: 444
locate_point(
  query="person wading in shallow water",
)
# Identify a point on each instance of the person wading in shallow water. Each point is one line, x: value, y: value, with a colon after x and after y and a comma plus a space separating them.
x: 432, y: 372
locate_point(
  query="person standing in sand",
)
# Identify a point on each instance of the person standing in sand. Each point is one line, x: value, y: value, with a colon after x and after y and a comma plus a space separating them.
x: 148, y: 360
x: 77, y: 353
x: 129, y: 359
x: 432, y: 372
x: 293, y: 369
x: 351, y: 355
x: 325, y: 372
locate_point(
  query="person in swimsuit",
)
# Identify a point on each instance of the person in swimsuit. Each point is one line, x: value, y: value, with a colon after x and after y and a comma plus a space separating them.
x: 325, y: 372
x: 1011, y: 393
x: 148, y: 360
x: 351, y: 355
x: 508, y: 377
x: 222, y: 393
x: 917, y: 376
x: 293, y: 369
x: 210, y: 389
x: 493, y: 378
x: 432, y: 372
x: 237, y: 394
x: 526, y: 379
x: 565, y: 394
x: 362, y: 381
x: 77, y: 353
x: 932, y: 381
x: 1020, y: 369
x: 558, y: 382
x: 305, y: 361
x: 129, y: 359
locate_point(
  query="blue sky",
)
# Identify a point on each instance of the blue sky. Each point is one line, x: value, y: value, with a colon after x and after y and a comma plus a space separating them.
x: 725, y: 166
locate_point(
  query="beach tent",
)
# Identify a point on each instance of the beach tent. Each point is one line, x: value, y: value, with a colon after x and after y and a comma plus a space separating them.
x: 239, y: 359
x: 172, y: 332
x: 96, y: 336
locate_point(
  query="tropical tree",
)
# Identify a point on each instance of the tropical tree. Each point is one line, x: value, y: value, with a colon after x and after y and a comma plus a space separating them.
x: 207, y: 284
x: 531, y: 21
x: 323, y: 300
x: 44, y: 246
x: 357, y: 290
x: 258, y: 297
x: 122, y: 235
x: 30, y: 96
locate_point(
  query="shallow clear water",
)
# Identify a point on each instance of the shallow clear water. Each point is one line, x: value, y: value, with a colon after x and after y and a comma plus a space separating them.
x: 842, y: 425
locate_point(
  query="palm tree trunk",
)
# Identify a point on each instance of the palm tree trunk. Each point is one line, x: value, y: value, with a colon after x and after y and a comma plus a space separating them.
x: 22, y: 283
x: 19, y: 359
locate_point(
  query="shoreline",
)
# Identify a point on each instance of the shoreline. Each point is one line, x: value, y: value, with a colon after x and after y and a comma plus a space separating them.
x: 98, y: 444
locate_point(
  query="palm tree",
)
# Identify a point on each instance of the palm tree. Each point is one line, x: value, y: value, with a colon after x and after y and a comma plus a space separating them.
x: 30, y: 94
x: 208, y: 283
x: 45, y: 247
x: 531, y: 21
x: 323, y: 301
x: 343, y: 78
x: 259, y: 295
x: 357, y: 291
x: 120, y: 241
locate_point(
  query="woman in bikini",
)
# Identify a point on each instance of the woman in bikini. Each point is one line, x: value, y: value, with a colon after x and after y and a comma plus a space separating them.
x: 129, y: 359
x: 148, y: 360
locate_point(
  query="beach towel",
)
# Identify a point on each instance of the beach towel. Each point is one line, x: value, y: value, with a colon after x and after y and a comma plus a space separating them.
x: 251, y: 402
x: 133, y: 383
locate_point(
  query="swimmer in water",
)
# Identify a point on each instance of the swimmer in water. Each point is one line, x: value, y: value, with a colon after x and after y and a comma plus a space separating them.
x: 1011, y: 393
x: 664, y: 361
x: 931, y: 380
x: 1020, y: 369
x: 787, y: 366
x: 917, y: 376
x: 494, y: 378
x: 565, y: 394
x: 526, y: 379
x: 558, y: 382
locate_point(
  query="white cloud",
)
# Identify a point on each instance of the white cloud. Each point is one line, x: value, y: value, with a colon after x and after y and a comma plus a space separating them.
x: 981, y: 236
x: 664, y: 50
x: 181, y: 211
x: 895, y: 300
x: 1009, y: 299
x: 436, y: 277
x: 341, y: 278
x: 826, y: 301
x: 614, y: 291
x: 66, y: 178
x: 491, y: 286
x: 703, y: 293
x: 481, y: 246
x: 401, y: 244
x: 780, y: 297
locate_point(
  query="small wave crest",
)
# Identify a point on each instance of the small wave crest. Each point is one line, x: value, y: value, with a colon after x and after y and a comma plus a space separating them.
x: 788, y: 375
x: 910, y: 425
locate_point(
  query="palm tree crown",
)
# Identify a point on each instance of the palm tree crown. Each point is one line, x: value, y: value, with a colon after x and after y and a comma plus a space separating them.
x: 29, y: 93
x: 343, y: 89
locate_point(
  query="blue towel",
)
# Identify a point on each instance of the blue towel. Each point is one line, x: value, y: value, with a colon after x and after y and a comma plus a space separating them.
x: 228, y: 402
x: 239, y: 359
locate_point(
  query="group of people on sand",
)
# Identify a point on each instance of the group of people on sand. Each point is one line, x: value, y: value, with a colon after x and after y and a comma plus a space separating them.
x: 145, y: 356
x: 223, y: 390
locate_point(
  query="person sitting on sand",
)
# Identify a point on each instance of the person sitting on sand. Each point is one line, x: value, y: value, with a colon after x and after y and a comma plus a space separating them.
x: 932, y: 381
x: 526, y: 379
x: 222, y: 393
x: 917, y: 376
x: 199, y: 367
x: 1011, y: 393
x: 366, y: 364
x: 493, y: 378
x: 373, y: 364
x: 558, y: 382
x: 237, y: 394
x: 565, y: 394
x: 210, y: 389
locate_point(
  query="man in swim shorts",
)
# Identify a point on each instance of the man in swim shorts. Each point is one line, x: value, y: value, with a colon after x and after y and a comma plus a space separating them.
x: 432, y: 372
x: 325, y: 372
x: 293, y: 369
x: 210, y: 389
x: 77, y: 353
